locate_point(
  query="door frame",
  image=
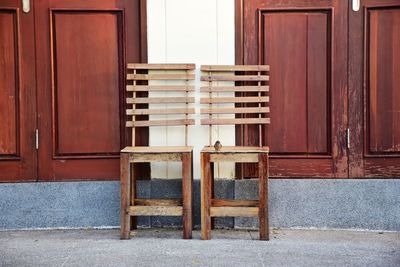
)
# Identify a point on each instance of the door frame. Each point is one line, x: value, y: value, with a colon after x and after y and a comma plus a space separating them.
x: 358, y: 86
x: 340, y: 117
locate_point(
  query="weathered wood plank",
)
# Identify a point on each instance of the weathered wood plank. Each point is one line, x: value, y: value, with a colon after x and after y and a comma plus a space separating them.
x: 206, y: 89
x: 235, y: 121
x: 155, y: 211
x: 249, y: 99
x: 233, y: 203
x: 160, y: 88
x: 159, y: 100
x: 158, y: 202
x: 187, y: 195
x: 125, y: 185
x: 141, y: 66
x: 160, y: 111
x: 234, y: 68
x: 228, y: 78
x: 160, y: 76
x: 234, y: 211
x: 234, y: 157
x: 205, y: 185
x: 263, y: 172
x: 213, y: 110
x: 154, y: 157
x: 160, y: 123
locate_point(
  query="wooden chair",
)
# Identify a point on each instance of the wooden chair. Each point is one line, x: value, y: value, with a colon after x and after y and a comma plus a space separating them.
x: 170, y: 78
x: 251, y: 80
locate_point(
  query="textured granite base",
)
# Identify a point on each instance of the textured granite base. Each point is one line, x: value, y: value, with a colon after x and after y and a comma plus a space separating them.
x: 305, y: 203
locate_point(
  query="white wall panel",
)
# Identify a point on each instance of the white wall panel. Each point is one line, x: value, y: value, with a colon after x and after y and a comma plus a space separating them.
x: 191, y: 31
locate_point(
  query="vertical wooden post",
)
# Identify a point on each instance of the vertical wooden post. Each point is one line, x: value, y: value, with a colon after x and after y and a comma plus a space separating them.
x: 125, y: 195
x: 205, y: 196
x: 187, y: 195
x: 263, y: 196
x: 212, y: 196
x: 133, y: 195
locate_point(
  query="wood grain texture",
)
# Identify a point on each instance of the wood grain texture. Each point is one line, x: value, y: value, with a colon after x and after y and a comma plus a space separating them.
x: 143, y: 66
x: 18, y: 157
x: 283, y: 29
x: 125, y: 187
x: 234, y: 211
x: 234, y: 121
x: 9, y: 91
x: 233, y: 203
x: 94, y: 125
x: 263, y: 216
x: 384, y: 81
x: 155, y: 211
x: 374, y: 152
x: 94, y: 164
x: 233, y: 68
x: 187, y: 195
x: 160, y: 123
x: 160, y: 88
x: 205, y: 187
x: 234, y: 88
x: 157, y: 202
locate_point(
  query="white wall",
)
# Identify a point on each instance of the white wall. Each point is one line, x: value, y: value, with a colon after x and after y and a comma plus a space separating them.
x: 191, y: 31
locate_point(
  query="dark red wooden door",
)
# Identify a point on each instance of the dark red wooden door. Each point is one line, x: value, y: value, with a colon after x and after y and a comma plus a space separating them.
x: 305, y: 44
x: 17, y: 93
x: 82, y: 49
x: 374, y: 85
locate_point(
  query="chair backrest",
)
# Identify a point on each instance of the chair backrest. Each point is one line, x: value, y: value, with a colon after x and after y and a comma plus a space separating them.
x: 164, y: 79
x: 250, y: 105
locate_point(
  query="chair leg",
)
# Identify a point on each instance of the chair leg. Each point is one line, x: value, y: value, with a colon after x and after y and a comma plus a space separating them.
x: 133, y: 196
x: 212, y: 183
x: 205, y: 196
x: 263, y: 196
x: 125, y: 195
x: 187, y: 189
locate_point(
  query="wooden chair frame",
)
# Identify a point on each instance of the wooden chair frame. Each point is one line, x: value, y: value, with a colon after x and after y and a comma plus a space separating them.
x: 131, y: 206
x: 248, y: 78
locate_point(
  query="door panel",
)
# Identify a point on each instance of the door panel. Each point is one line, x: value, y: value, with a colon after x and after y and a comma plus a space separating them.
x: 375, y: 41
x: 17, y: 94
x: 304, y: 42
x: 302, y: 85
x: 86, y: 104
x: 82, y: 49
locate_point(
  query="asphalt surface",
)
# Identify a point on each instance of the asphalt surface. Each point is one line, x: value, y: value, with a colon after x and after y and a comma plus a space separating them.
x: 164, y: 247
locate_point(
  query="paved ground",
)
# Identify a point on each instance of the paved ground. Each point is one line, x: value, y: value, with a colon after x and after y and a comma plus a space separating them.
x: 163, y: 247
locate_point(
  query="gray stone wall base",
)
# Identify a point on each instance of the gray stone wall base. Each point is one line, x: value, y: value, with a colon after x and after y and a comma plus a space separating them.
x: 371, y: 204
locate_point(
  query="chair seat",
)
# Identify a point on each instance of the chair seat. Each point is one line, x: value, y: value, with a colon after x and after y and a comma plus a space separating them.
x: 157, y: 149
x: 236, y: 149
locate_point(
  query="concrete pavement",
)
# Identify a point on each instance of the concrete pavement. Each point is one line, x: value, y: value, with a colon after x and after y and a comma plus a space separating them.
x: 163, y: 247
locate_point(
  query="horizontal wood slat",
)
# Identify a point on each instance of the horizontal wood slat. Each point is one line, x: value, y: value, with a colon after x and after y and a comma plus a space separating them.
x: 234, y: 211
x: 234, y: 157
x: 158, y: 202
x: 235, y: 121
x: 160, y: 111
x: 228, y: 78
x: 155, y: 210
x: 160, y: 88
x: 155, y: 157
x: 159, y: 100
x: 234, y: 68
x: 234, y: 110
x: 233, y: 203
x: 250, y: 99
x: 141, y: 66
x: 234, y: 89
x: 159, y: 123
x: 160, y: 76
